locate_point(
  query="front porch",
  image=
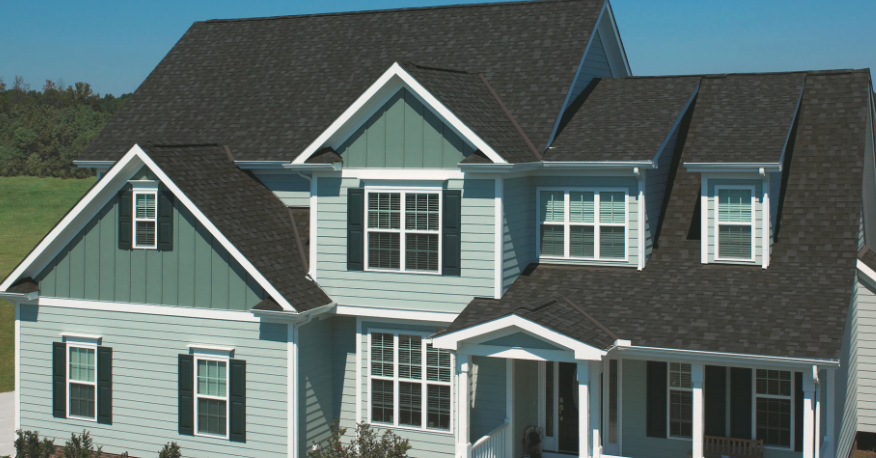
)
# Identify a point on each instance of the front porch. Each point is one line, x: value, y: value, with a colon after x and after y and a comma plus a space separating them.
x: 631, y: 401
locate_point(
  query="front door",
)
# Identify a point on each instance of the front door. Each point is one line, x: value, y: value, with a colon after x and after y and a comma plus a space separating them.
x: 567, y: 408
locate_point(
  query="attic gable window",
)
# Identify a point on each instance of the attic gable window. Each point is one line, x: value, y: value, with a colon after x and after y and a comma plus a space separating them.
x: 145, y: 225
x: 734, y: 214
x: 581, y: 223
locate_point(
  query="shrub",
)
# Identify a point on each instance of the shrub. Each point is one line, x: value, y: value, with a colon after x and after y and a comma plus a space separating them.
x: 29, y: 445
x: 81, y: 447
x: 170, y: 450
x: 366, y: 444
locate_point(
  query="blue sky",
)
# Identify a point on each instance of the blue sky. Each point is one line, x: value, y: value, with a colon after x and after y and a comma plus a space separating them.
x: 115, y: 44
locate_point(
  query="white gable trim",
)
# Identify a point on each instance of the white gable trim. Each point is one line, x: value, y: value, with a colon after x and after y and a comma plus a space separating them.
x: 99, y: 195
x: 374, y: 97
x: 453, y: 340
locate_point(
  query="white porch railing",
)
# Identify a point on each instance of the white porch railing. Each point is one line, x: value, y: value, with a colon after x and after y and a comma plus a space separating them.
x: 494, y: 444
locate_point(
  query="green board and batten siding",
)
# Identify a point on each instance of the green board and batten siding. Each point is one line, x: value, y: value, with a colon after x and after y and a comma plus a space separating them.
x: 407, y: 290
x: 145, y: 349
x: 198, y: 272
x: 403, y: 133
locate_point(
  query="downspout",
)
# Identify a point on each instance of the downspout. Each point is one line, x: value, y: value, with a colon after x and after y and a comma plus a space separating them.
x: 816, y: 446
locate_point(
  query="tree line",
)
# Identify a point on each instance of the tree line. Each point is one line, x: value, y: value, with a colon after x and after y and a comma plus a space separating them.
x: 43, y: 132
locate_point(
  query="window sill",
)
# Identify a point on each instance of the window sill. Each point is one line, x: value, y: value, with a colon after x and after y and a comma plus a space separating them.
x: 72, y: 417
x: 560, y: 258
x: 405, y: 272
x: 211, y: 436
x: 443, y: 432
x: 750, y: 261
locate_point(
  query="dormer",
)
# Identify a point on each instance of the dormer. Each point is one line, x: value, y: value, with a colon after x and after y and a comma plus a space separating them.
x: 740, y: 147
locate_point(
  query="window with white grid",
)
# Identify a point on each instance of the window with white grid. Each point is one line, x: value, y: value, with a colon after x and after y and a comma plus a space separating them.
x: 680, y: 400
x: 409, y: 382
x: 583, y: 223
x: 734, y: 235
x: 403, y: 230
x: 773, y: 407
x: 145, y: 218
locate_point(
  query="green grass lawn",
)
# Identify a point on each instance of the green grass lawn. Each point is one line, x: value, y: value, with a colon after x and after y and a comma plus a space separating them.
x: 29, y: 208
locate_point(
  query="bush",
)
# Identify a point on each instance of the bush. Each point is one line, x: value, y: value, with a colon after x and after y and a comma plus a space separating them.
x: 367, y: 444
x: 29, y: 445
x: 81, y: 447
x: 170, y: 450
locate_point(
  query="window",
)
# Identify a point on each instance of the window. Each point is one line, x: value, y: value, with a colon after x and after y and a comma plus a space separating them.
x: 82, y: 382
x: 145, y: 218
x: 409, y: 382
x: 773, y: 407
x: 211, y: 397
x: 583, y: 224
x: 680, y: 401
x: 735, y: 216
x: 403, y: 231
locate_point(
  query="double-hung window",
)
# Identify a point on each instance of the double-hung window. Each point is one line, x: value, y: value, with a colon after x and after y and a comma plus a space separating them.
x: 410, y: 383
x: 82, y: 382
x: 773, y: 407
x: 734, y: 214
x: 583, y: 224
x: 145, y: 225
x: 680, y: 400
x: 403, y: 231
x: 211, y: 397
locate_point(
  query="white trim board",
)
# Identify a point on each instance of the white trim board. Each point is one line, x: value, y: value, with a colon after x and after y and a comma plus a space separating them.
x: 374, y: 97
x: 396, y: 314
x: 98, y: 196
x: 145, y: 309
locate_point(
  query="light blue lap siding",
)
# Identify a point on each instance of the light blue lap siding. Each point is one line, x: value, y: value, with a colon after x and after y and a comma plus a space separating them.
x: 289, y: 187
x: 518, y: 248
x: 595, y: 65
x: 407, y: 290
x: 656, y: 181
x: 198, y: 272
x: 145, y: 349
x: 488, y: 402
x: 315, y: 383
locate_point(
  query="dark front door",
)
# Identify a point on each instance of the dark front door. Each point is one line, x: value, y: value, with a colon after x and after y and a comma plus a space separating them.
x: 568, y: 407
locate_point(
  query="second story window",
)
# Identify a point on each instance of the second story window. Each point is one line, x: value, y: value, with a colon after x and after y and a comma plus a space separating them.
x: 145, y: 218
x: 403, y: 231
x: 583, y: 224
x: 734, y: 214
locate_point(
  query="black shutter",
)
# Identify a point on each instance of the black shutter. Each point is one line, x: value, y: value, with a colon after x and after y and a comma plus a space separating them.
x: 656, y: 399
x: 452, y: 222
x: 186, y: 394
x: 798, y: 411
x: 740, y: 403
x: 105, y: 385
x: 355, y: 229
x: 165, y: 220
x: 126, y: 204
x: 59, y: 380
x: 715, y: 401
x: 237, y: 398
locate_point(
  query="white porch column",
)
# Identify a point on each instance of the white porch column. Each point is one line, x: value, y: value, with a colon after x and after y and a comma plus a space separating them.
x: 509, y: 405
x: 696, y: 375
x: 583, y: 409
x: 595, y: 374
x: 463, y: 444
x: 808, y: 416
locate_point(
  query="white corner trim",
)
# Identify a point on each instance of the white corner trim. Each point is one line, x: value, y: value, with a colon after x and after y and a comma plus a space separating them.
x: 145, y: 309
x: 642, y: 210
x: 314, y: 234
x: 358, y: 383
x: 81, y: 338
x: 202, y: 348
x: 766, y: 233
x: 867, y: 271
x: 582, y: 351
x: 704, y: 220
x: 398, y: 314
x: 396, y: 74
x: 499, y: 196
x: 17, y: 414
x: 292, y: 427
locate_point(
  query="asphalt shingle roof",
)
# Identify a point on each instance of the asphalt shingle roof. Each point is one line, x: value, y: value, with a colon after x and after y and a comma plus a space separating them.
x: 621, y: 119
x: 253, y: 219
x: 797, y: 307
x: 269, y: 87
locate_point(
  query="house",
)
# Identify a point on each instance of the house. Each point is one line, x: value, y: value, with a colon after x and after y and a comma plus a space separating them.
x: 459, y: 223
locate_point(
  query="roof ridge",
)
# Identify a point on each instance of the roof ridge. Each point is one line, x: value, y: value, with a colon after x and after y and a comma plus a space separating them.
x: 439, y: 69
x: 391, y: 10
x: 837, y: 71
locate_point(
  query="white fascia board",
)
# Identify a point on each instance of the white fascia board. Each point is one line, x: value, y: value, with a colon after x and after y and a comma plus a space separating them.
x: 675, y: 125
x: 577, y: 165
x: 572, y: 166
x: 374, y: 97
x: 235, y: 253
x: 401, y: 314
x: 330, y: 167
x: 93, y: 164
x: 260, y: 165
x: 733, y: 167
x: 76, y: 219
x: 731, y: 359
x: 866, y: 271
x: 20, y: 297
x: 451, y: 341
x: 403, y: 175
x: 147, y: 309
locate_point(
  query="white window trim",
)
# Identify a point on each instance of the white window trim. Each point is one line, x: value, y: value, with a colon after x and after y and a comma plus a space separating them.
x: 669, y: 390
x: 718, y: 222
x: 402, y: 231
x: 596, y: 224
x: 212, y: 357
x: 754, y: 397
x: 88, y: 346
x: 143, y: 187
x: 424, y: 383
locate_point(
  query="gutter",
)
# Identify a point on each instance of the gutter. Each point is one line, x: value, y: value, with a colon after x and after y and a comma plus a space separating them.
x: 556, y: 165
x: 260, y: 165
x: 301, y: 318
x: 332, y: 167
x: 725, y: 357
x: 20, y: 297
x: 737, y: 167
x: 94, y: 164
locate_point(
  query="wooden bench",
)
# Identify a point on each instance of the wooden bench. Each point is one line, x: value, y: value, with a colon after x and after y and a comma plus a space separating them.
x: 721, y: 447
